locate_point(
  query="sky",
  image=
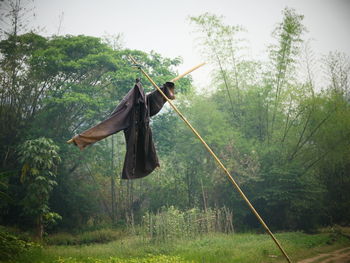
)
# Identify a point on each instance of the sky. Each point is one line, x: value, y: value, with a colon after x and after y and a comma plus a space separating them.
x: 163, y: 25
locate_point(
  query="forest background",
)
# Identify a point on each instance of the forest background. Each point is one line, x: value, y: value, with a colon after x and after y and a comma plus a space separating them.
x: 285, y: 141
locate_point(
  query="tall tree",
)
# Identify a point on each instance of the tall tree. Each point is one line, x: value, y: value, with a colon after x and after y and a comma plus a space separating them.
x: 39, y: 159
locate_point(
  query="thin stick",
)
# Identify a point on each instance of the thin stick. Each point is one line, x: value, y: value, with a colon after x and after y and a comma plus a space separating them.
x: 187, y: 72
x: 218, y: 161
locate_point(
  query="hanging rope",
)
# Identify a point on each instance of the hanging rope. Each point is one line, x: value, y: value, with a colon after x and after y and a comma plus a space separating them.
x: 217, y: 160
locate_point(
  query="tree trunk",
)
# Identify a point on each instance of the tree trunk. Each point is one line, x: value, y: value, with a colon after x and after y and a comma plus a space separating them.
x: 113, y: 198
x: 39, y: 228
x: 188, y: 182
x: 113, y: 184
x: 203, y: 196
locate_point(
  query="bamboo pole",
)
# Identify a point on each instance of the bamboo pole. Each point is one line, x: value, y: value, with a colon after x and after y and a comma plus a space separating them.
x: 187, y: 72
x: 173, y: 80
x: 218, y: 161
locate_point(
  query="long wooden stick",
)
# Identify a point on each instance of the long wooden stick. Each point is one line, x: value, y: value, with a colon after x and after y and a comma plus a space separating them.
x: 173, y: 80
x: 218, y: 161
x: 187, y: 72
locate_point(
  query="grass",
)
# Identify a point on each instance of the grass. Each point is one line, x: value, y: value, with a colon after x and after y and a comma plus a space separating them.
x: 208, y: 248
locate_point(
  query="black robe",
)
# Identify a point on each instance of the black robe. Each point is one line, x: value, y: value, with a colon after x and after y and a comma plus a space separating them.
x: 133, y: 116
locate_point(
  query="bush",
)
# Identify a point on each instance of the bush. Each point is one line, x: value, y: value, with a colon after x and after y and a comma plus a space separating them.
x: 97, y: 236
x: 12, y: 246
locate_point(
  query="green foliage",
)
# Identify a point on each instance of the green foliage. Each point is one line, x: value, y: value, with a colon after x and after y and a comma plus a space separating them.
x: 284, y: 141
x: 12, y: 246
x: 276, y: 122
x: 63, y: 85
x: 39, y: 159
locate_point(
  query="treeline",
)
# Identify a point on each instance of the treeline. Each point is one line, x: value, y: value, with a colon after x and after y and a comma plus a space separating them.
x: 285, y: 141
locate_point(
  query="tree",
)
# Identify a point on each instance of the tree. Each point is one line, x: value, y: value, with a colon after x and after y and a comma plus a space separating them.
x: 14, y: 16
x: 39, y: 159
x: 221, y: 44
x: 273, y: 129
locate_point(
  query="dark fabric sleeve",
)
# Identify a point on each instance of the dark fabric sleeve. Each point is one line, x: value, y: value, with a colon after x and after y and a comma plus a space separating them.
x: 117, y: 121
x: 156, y: 101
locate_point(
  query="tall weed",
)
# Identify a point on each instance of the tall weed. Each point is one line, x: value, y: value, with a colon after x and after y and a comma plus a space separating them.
x: 170, y: 223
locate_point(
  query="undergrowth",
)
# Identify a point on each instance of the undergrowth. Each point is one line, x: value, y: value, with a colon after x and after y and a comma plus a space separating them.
x: 208, y: 248
x: 11, y: 246
x: 91, y: 237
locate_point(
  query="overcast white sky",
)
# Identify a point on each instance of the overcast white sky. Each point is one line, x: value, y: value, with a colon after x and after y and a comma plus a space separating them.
x: 162, y: 25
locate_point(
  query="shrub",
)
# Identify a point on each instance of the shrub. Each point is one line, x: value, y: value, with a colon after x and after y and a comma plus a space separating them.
x: 12, y: 246
x: 97, y: 236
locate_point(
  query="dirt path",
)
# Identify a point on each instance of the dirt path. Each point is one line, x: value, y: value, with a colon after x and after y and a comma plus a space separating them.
x: 338, y: 256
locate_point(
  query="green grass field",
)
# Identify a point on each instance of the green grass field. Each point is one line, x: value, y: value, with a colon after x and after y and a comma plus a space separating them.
x: 208, y: 248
